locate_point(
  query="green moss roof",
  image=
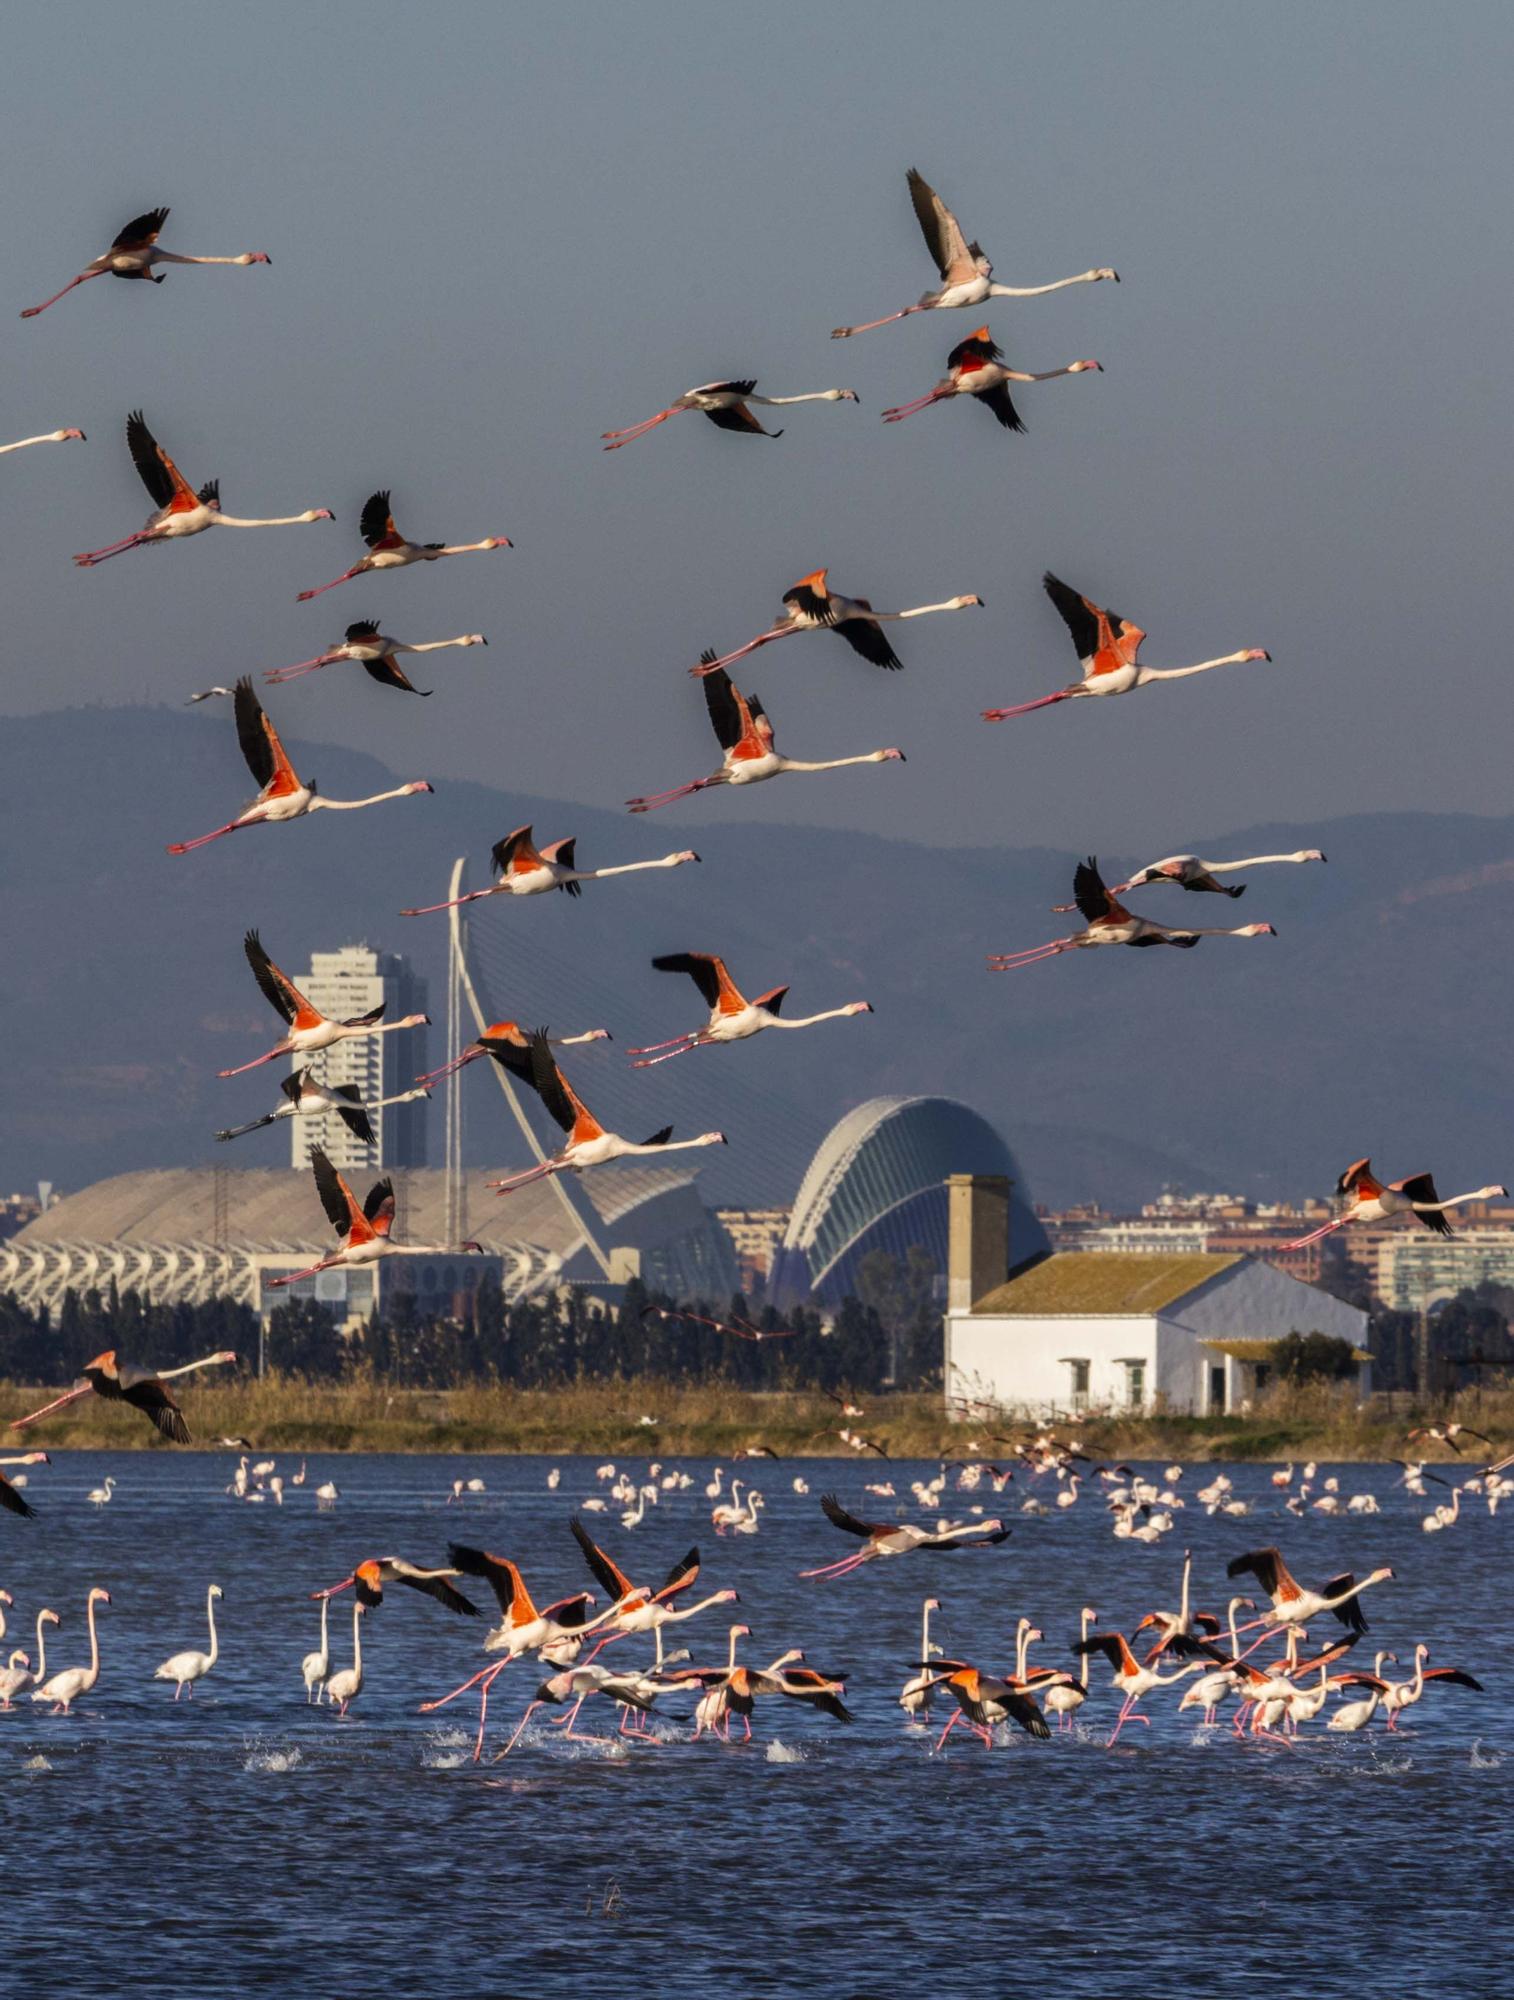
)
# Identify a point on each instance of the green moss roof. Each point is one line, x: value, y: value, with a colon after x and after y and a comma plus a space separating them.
x: 1261, y: 1350
x: 1096, y: 1281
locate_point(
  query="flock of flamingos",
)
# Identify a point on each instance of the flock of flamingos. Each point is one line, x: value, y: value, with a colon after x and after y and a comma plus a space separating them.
x: 1209, y: 1654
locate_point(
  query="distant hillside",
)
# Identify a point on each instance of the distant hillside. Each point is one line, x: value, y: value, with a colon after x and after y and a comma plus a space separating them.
x: 1374, y: 1021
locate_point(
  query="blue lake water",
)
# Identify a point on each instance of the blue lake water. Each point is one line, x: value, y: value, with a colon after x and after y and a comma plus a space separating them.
x: 241, y: 1843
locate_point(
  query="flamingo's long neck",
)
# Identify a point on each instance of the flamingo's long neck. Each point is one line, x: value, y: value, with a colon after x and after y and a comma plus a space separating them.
x: 357, y: 1644
x: 325, y: 1613
x: 770, y: 402
x: 41, y: 1647
x: 1037, y: 291
x: 1455, y: 1201
x: 1083, y: 1662
x: 1182, y: 673
x: 320, y: 804
x: 1251, y: 861
x: 827, y: 764
x: 274, y: 521
x: 94, y: 1649
x: 624, y: 868
x: 809, y: 1020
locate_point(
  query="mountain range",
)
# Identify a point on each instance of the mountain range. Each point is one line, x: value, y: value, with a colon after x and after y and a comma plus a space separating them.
x: 1374, y: 1022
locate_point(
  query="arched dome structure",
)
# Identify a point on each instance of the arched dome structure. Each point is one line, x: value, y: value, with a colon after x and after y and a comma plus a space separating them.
x: 878, y: 1182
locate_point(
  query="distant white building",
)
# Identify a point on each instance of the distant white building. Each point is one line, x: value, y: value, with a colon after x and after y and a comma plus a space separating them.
x: 344, y: 984
x: 1112, y: 1330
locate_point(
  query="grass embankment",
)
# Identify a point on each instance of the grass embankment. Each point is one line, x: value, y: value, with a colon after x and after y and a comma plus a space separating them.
x: 712, y: 1421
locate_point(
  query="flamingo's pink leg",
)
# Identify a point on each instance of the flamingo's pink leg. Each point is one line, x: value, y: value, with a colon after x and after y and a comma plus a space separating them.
x: 920, y: 403
x: 751, y: 646
x: 1025, y: 707
x: 31, y: 312
x: 515, y: 1181
x: 531, y: 1709
x: 257, y: 1061
x: 93, y: 556
x: 684, y: 1048
x: 652, y: 1047
x: 845, y: 332
x: 655, y: 799
x: 429, y: 909
x: 304, y: 596
x: 276, y: 674
x: 204, y: 839
x: 636, y: 430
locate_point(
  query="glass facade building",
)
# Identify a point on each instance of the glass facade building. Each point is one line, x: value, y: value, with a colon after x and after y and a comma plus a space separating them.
x: 878, y: 1182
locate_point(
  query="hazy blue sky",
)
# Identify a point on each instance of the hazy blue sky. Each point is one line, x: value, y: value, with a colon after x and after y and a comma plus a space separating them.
x: 497, y: 231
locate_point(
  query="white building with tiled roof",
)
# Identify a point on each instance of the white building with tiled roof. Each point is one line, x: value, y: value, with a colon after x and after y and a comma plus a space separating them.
x: 1108, y: 1330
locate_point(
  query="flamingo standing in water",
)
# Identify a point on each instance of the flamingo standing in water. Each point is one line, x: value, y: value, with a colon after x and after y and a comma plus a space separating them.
x: 309, y: 1029
x: 509, y: 1045
x: 283, y: 794
x: 588, y: 1143
x: 1109, y: 922
x: 1067, y: 1697
x: 114, y: 1381
x: 345, y: 1687
x: 363, y: 1230
x: 181, y: 511
x: 812, y: 606
x: 64, y: 1689
x: 315, y: 1668
x: 917, y: 1694
x: 966, y: 273
x: 1107, y: 647
x: 975, y: 367
x: 1188, y: 872
x: 47, y: 437
x: 377, y: 654
x: 133, y: 254
x: 388, y: 548
x: 11, y: 1499
x: 1368, y: 1199
x: 185, y: 1668
x: 725, y: 404
x: 306, y: 1097
x: 527, y: 870
x: 745, y: 734
x: 733, y: 1018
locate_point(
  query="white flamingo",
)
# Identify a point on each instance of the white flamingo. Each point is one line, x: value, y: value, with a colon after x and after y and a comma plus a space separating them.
x: 185, y: 1668
x: 345, y: 1687
x: 315, y: 1668
x: 64, y: 1689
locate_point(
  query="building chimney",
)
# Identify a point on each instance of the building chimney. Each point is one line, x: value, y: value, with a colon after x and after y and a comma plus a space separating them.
x: 977, y: 1237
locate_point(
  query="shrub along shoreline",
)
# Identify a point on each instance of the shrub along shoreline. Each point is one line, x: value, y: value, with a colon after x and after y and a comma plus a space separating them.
x: 285, y: 1414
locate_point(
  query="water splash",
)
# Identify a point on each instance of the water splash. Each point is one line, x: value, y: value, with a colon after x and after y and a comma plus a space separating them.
x: 1479, y: 1762
x: 40, y: 1763
x: 260, y: 1758
x: 784, y: 1753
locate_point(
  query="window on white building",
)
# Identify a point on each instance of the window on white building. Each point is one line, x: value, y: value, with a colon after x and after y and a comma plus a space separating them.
x: 1078, y: 1370
x: 1135, y: 1384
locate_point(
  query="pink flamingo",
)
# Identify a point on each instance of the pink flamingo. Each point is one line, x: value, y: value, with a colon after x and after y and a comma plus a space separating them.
x: 813, y: 607
x: 1107, y: 647
x: 388, y: 548
x: 133, y: 255
x: 376, y: 653
x: 966, y: 273
x: 283, y: 794
x: 745, y: 735
x: 527, y: 870
x: 975, y: 367
x: 364, y: 1229
x: 725, y: 404
x: 1368, y: 1199
x: 47, y: 437
x: 309, y: 1029
x: 181, y: 511
x: 1109, y: 922
x: 510, y: 1047
x: 733, y: 1018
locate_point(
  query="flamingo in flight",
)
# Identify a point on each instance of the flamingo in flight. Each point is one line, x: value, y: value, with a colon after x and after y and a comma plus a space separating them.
x: 181, y: 511
x: 975, y: 367
x: 813, y: 607
x: 363, y: 1230
x: 900, y: 1538
x: 527, y: 870
x: 588, y: 1143
x: 1109, y: 922
x: 283, y: 794
x: 1107, y: 648
x: 733, y: 1018
x: 305, y: 1096
x: 1188, y: 872
x: 1368, y: 1199
x: 114, y: 1381
x: 47, y: 437
x: 745, y: 735
x: 369, y: 1578
x: 11, y: 1498
x: 1292, y: 1604
x: 966, y: 274
x: 377, y: 654
x: 388, y: 548
x: 133, y: 255
x: 510, y: 1047
x: 743, y: 1329
x: 309, y: 1029
x: 725, y: 404
x: 638, y: 1607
